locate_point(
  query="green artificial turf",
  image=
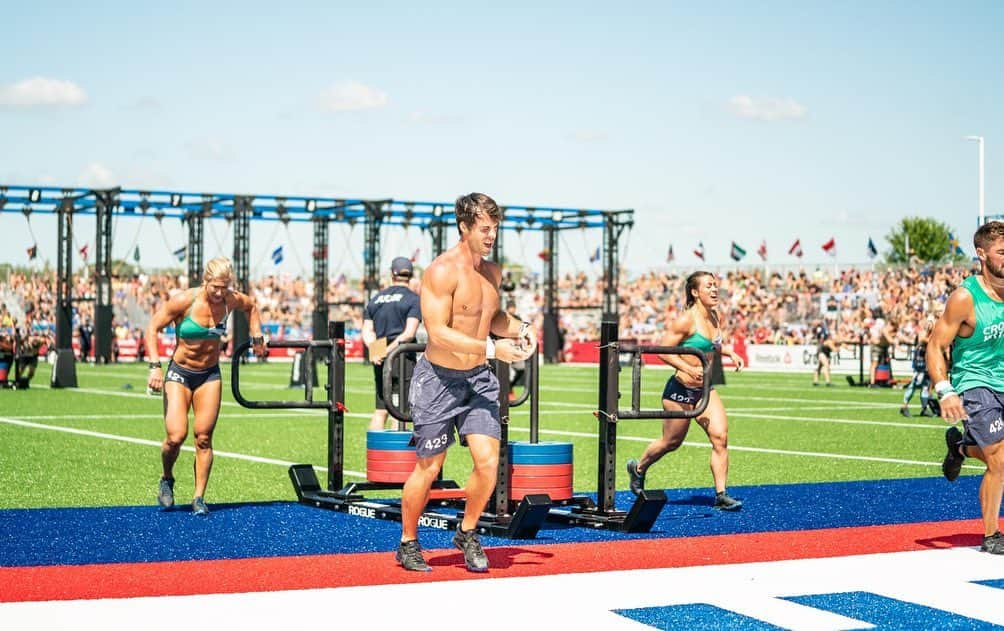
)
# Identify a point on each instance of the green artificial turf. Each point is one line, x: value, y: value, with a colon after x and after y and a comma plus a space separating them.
x: 99, y: 444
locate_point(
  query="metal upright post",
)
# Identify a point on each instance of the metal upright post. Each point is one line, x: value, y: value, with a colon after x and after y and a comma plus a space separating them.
x: 64, y: 275
x: 336, y: 411
x: 193, y: 254
x: 607, y: 416
x: 319, y: 324
x: 104, y: 205
x: 552, y: 335
x: 371, y: 256
x: 242, y: 247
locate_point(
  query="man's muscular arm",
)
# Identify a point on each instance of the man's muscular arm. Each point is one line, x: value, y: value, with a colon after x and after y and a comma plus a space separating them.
x: 957, y: 311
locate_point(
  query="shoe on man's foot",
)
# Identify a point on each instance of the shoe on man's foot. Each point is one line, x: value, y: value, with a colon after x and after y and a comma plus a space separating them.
x: 165, y: 493
x: 927, y: 412
x: 469, y: 543
x: 409, y: 555
x: 724, y: 502
x: 905, y: 411
x: 636, y: 479
x: 951, y: 466
x: 199, y: 507
x: 994, y: 544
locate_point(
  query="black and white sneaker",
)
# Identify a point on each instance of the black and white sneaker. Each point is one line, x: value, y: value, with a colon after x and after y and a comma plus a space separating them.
x: 469, y: 543
x: 636, y: 480
x: 994, y: 544
x: 724, y: 502
x: 409, y: 555
x: 165, y: 493
x: 951, y: 466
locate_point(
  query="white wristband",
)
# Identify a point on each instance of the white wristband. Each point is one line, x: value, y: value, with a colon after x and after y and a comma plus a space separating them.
x: 489, y: 348
x: 944, y: 389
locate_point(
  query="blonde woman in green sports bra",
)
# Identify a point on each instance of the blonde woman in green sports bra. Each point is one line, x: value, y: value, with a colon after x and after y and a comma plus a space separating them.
x: 697, y: 327
x: 192, y: 380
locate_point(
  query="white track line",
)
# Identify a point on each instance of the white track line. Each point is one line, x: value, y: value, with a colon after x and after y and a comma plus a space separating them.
x: 154, y: 443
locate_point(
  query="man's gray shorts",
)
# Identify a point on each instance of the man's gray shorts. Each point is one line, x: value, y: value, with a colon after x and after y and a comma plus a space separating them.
x: 442, y: 399
x: 985, y: 407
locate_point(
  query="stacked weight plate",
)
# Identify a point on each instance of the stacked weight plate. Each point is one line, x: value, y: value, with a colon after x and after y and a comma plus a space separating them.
x: 541, y: 468
x: 388, y: 456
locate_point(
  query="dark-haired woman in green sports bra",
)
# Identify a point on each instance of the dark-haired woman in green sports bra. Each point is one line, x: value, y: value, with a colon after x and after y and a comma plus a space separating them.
x: 697, y: 327
x: 192, y: 380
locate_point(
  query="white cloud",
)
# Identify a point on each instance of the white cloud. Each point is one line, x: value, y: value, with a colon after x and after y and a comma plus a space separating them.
x: 766, y: 109
x: 346, y: 96
x: 96, y: 175
x: 40, y: 91
x: 211, y: 149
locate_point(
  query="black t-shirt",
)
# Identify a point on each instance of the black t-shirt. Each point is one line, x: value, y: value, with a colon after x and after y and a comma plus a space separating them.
x: 390, y: 309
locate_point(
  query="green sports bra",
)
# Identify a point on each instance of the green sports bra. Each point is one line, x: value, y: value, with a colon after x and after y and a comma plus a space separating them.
x: 189, y: 329
x: 701, y: 343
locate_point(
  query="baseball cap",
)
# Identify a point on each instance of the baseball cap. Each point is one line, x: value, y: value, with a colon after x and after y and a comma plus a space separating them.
x: 401, y: 267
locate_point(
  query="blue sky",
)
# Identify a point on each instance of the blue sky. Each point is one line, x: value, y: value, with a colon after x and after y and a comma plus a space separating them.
x: 714, y: 121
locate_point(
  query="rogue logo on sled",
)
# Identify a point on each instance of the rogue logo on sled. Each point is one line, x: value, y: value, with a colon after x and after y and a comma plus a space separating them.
x: 362, y: 511
x: 434, y: 522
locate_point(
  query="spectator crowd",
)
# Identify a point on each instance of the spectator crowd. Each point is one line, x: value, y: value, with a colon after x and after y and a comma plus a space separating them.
x: 760, y: 306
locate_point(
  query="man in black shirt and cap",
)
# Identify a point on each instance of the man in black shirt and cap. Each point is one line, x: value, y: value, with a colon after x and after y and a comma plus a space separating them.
x: 391, y: 319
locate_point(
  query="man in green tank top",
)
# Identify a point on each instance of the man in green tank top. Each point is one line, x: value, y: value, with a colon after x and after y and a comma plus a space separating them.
x: 972, y: 328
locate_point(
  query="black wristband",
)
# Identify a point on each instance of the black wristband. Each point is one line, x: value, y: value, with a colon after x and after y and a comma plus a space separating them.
x: 154, y: 364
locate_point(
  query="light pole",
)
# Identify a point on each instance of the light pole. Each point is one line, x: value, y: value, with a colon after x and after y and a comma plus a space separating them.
x: 979, y: 142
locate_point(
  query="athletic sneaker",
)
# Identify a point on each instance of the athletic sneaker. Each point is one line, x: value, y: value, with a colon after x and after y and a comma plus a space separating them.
x: 724, y: 502
x: 199, y: 507
x: 951, y: 466
x: 165, y: 493
x: 994, y: 544
x: 409, y: 555
x: 905, y: 411
x: 469, y: 543
x: 927, y: 412
x: 636, y: 479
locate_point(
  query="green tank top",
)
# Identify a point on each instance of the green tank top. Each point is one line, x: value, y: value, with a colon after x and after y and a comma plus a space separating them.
x: 701, y: 343
x: 189, y: 329
x: 977, y: 360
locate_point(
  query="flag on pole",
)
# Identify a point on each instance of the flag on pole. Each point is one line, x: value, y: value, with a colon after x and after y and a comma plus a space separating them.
x: 181, y: 252
x: 830, y: 247
x: 670, y: 257
x: 762, y: 250
x: 595, y: 256
x: 544, y: 255
x: 135, y: 254
x: 953, y: 244
x: 83, y: 251
x: 737, y: 252
x: 872, y: 250
x: 32, y: 252
x: 277, y: 255
x: 796, y: 248
x: 414, y: 255
x: 699, y: 250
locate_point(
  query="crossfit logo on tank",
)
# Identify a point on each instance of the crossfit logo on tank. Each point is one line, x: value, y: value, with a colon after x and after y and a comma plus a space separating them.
x: 993, y: 332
